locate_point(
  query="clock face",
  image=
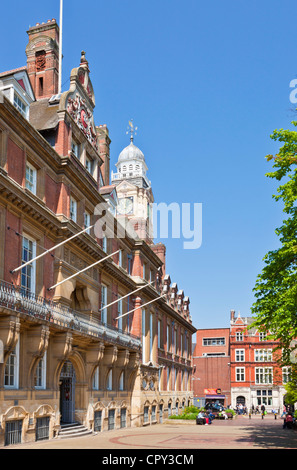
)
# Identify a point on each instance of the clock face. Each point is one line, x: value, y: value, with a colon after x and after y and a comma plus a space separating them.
x: 125, y: 206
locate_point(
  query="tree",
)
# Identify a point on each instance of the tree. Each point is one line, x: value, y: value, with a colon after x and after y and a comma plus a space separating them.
x: 275, y: 308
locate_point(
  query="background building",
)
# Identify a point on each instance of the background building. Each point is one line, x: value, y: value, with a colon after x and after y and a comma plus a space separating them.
x: 256, y: 377
x: 238, y: 366
x: 211, y: 362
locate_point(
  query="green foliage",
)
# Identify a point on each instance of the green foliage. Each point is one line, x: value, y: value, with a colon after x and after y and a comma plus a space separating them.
x: 190, y: 413
x: 275, y: 308
x: 291, y: 386
x: 230, y: 411
x: 188, y: 416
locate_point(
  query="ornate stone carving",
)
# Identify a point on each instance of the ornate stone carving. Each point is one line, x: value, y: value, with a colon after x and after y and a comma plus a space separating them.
x: 81, y: 114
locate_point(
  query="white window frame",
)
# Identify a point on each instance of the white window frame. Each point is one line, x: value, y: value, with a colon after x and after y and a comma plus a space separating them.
x: 151, y: 337
x: 239, y: 336
x: 263, y: 355
x: 120, y: 312
x: 262, y: 336
x: 159, y: 332
x: 104, y: 244
x: 240, y: 374
x: 73, y: 209
x: 168, y: 338
x: 95, y: 379
x: 32, y: 266
x: 121, y: 381
x: 168, y: 378
x: 103, y: 304
x: 31, y: 178
x: 109, y: 381
x: 263, y: 375
x: 75, y: 149
x: 89, y: 165
x: 87, y: 221
x: 20, y: 105
x: 42, y: 374
x: 239, y: 355
x: 286, y: 374
x: 13, y: 363
x: 264, y: 397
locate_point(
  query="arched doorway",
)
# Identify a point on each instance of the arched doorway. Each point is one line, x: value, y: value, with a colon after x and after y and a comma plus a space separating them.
x: 240, y: 400
x: 67, y: 393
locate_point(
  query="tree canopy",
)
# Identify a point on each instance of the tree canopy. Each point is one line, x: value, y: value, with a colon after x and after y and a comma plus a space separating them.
x: 275, y: 307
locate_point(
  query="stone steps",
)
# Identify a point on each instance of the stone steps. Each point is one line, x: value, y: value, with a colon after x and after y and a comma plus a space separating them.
x: 73, y: 430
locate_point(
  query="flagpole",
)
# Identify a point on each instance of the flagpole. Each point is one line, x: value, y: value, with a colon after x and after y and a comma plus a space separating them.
x: 83, y: 270
x: 130, y: 293
x: 60, y: 46
x: 51, y: 249
x: 144, y: 305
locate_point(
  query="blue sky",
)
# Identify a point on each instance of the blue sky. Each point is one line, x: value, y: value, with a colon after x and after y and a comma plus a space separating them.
x: 206, y: 83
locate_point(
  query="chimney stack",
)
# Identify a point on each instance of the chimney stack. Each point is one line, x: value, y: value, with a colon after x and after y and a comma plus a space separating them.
x: 43, y: 58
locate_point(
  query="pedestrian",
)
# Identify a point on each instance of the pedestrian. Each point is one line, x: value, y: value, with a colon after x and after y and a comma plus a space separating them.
x: 263, y: 410
x: 288, y: 421
x: 284, y: 411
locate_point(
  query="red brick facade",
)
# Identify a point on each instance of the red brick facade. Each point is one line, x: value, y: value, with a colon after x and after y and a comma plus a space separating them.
x: 211, y: 361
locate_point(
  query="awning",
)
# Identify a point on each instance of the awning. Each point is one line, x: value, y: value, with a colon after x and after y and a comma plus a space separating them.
x: 215, y: 397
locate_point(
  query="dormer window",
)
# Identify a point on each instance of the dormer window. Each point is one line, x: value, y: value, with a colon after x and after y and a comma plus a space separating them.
x: 75, y: 148
x: 20, y: 105
x: 89, y: 165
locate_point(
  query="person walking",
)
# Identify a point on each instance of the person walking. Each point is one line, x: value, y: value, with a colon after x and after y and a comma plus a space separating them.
x: 262, y: 411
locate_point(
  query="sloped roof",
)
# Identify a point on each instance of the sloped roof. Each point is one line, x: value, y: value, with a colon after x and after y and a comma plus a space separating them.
x: 43, y: 116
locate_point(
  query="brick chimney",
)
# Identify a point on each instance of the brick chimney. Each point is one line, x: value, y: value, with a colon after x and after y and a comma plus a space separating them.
x: 232, y: 315
x: 43, y: 58
x: 160, y: 250
x: 104, y: 152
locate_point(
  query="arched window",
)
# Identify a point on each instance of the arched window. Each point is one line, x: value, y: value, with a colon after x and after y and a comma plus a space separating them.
x: 95, y: 381
x: 109, y: 380
x: 11, y: 371
x: 40, y: 374
x: 130, y: 167
x: 121, y: 381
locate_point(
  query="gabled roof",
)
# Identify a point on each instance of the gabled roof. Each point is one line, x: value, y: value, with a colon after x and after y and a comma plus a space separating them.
x: 19, y: 75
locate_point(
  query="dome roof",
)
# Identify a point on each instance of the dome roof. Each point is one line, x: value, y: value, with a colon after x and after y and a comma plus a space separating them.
x: 131, y: 153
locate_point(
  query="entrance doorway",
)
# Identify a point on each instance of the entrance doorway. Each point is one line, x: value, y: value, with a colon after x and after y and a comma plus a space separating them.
x: 67, y: 393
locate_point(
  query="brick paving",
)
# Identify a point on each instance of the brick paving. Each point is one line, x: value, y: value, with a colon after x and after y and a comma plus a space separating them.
x: 239, y: 433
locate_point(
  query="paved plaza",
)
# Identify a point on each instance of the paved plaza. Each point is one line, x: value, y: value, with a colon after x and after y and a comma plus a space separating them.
x: 239, y: 433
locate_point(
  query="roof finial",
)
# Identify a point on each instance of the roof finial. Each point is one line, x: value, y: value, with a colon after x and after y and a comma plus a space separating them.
x: 132, y: 130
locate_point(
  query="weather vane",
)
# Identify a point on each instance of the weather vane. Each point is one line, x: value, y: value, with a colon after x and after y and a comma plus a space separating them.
x: 132, y: 130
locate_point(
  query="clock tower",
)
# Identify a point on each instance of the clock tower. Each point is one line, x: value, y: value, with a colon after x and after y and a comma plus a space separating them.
x: 134, y: 190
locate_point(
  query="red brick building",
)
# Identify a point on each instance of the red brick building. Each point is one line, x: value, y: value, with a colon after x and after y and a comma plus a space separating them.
x: 256, y: 377
x: 94, y: 332
x: 211, y: 361
x: 238, y: 366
